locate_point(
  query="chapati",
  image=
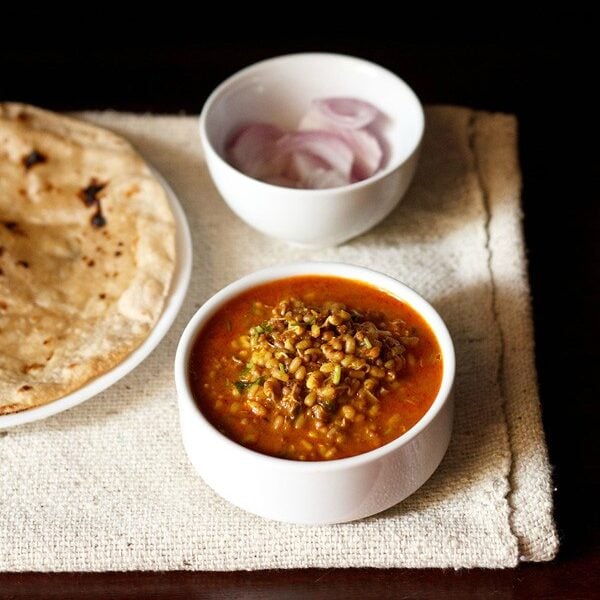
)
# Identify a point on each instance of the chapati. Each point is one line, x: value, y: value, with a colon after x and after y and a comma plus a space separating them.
x: 87, y: 253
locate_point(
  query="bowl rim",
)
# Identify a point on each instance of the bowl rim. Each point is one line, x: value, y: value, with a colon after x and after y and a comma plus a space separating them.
x: 334, y: 269
x: 390, y: 167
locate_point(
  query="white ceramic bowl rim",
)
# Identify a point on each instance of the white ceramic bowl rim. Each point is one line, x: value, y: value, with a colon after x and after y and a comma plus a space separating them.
x: 388, y: 168
x: 343, y: 270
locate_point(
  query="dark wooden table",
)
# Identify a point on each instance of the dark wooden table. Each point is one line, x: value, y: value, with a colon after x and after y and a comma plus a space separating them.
x: 503, y: 73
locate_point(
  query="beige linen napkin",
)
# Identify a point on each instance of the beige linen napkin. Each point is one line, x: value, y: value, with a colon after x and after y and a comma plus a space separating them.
x: 107, y: 485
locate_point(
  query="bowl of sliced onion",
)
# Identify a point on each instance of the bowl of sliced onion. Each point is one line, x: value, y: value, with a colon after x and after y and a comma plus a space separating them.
x: 312, y: 149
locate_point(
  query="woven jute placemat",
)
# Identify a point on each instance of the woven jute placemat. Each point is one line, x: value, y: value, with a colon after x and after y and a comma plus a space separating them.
x: 107, y: 485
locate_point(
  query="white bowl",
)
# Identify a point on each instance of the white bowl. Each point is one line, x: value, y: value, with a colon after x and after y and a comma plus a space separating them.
x: 321, y: 492
x: 279, y: 91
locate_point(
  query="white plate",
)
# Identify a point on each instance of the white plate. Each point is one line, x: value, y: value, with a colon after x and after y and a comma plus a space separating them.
x: 173, y: 302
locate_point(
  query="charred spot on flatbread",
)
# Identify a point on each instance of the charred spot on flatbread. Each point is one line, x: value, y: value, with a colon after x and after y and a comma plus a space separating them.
x: 98, y: 219
x: 35, y: 157
x: 89, y: 195
x: 14, y: 227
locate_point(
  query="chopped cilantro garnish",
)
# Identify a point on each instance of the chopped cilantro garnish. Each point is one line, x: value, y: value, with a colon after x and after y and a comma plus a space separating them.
x: 242, y: 384
x: 264, y: 327
x: 247, y: 369
x: 337, y: 374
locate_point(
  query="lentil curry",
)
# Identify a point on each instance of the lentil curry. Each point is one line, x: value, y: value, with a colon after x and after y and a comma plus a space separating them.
x: 315, y: 368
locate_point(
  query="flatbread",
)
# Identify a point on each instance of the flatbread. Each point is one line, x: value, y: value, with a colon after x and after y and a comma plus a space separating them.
x: 87, y: 253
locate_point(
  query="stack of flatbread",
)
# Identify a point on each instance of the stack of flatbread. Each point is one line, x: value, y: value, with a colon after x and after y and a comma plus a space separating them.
x: 87, y: 252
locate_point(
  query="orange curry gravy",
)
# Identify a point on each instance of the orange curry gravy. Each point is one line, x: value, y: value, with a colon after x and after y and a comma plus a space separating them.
x: 233, y: 393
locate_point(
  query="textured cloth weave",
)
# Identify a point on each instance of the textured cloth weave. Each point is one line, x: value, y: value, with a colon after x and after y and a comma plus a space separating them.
x: 107, y: 485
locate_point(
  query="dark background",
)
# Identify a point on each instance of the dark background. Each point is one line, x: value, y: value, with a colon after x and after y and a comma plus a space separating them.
x: 531, y: 70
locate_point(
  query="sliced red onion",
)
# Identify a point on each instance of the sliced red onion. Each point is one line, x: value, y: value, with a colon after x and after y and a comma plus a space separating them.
x: 347, y: 112
x: 253, y: 150
x: 325, y: 145
x: 337, y: 143
x: 314, y: 173
x: 367, y: 153
x: 367, y: 150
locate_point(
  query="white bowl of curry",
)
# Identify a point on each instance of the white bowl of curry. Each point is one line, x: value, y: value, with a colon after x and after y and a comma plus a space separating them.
x: 315, y: 393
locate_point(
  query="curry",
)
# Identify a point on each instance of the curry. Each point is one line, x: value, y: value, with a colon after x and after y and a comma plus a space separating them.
x: 315, y: 368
